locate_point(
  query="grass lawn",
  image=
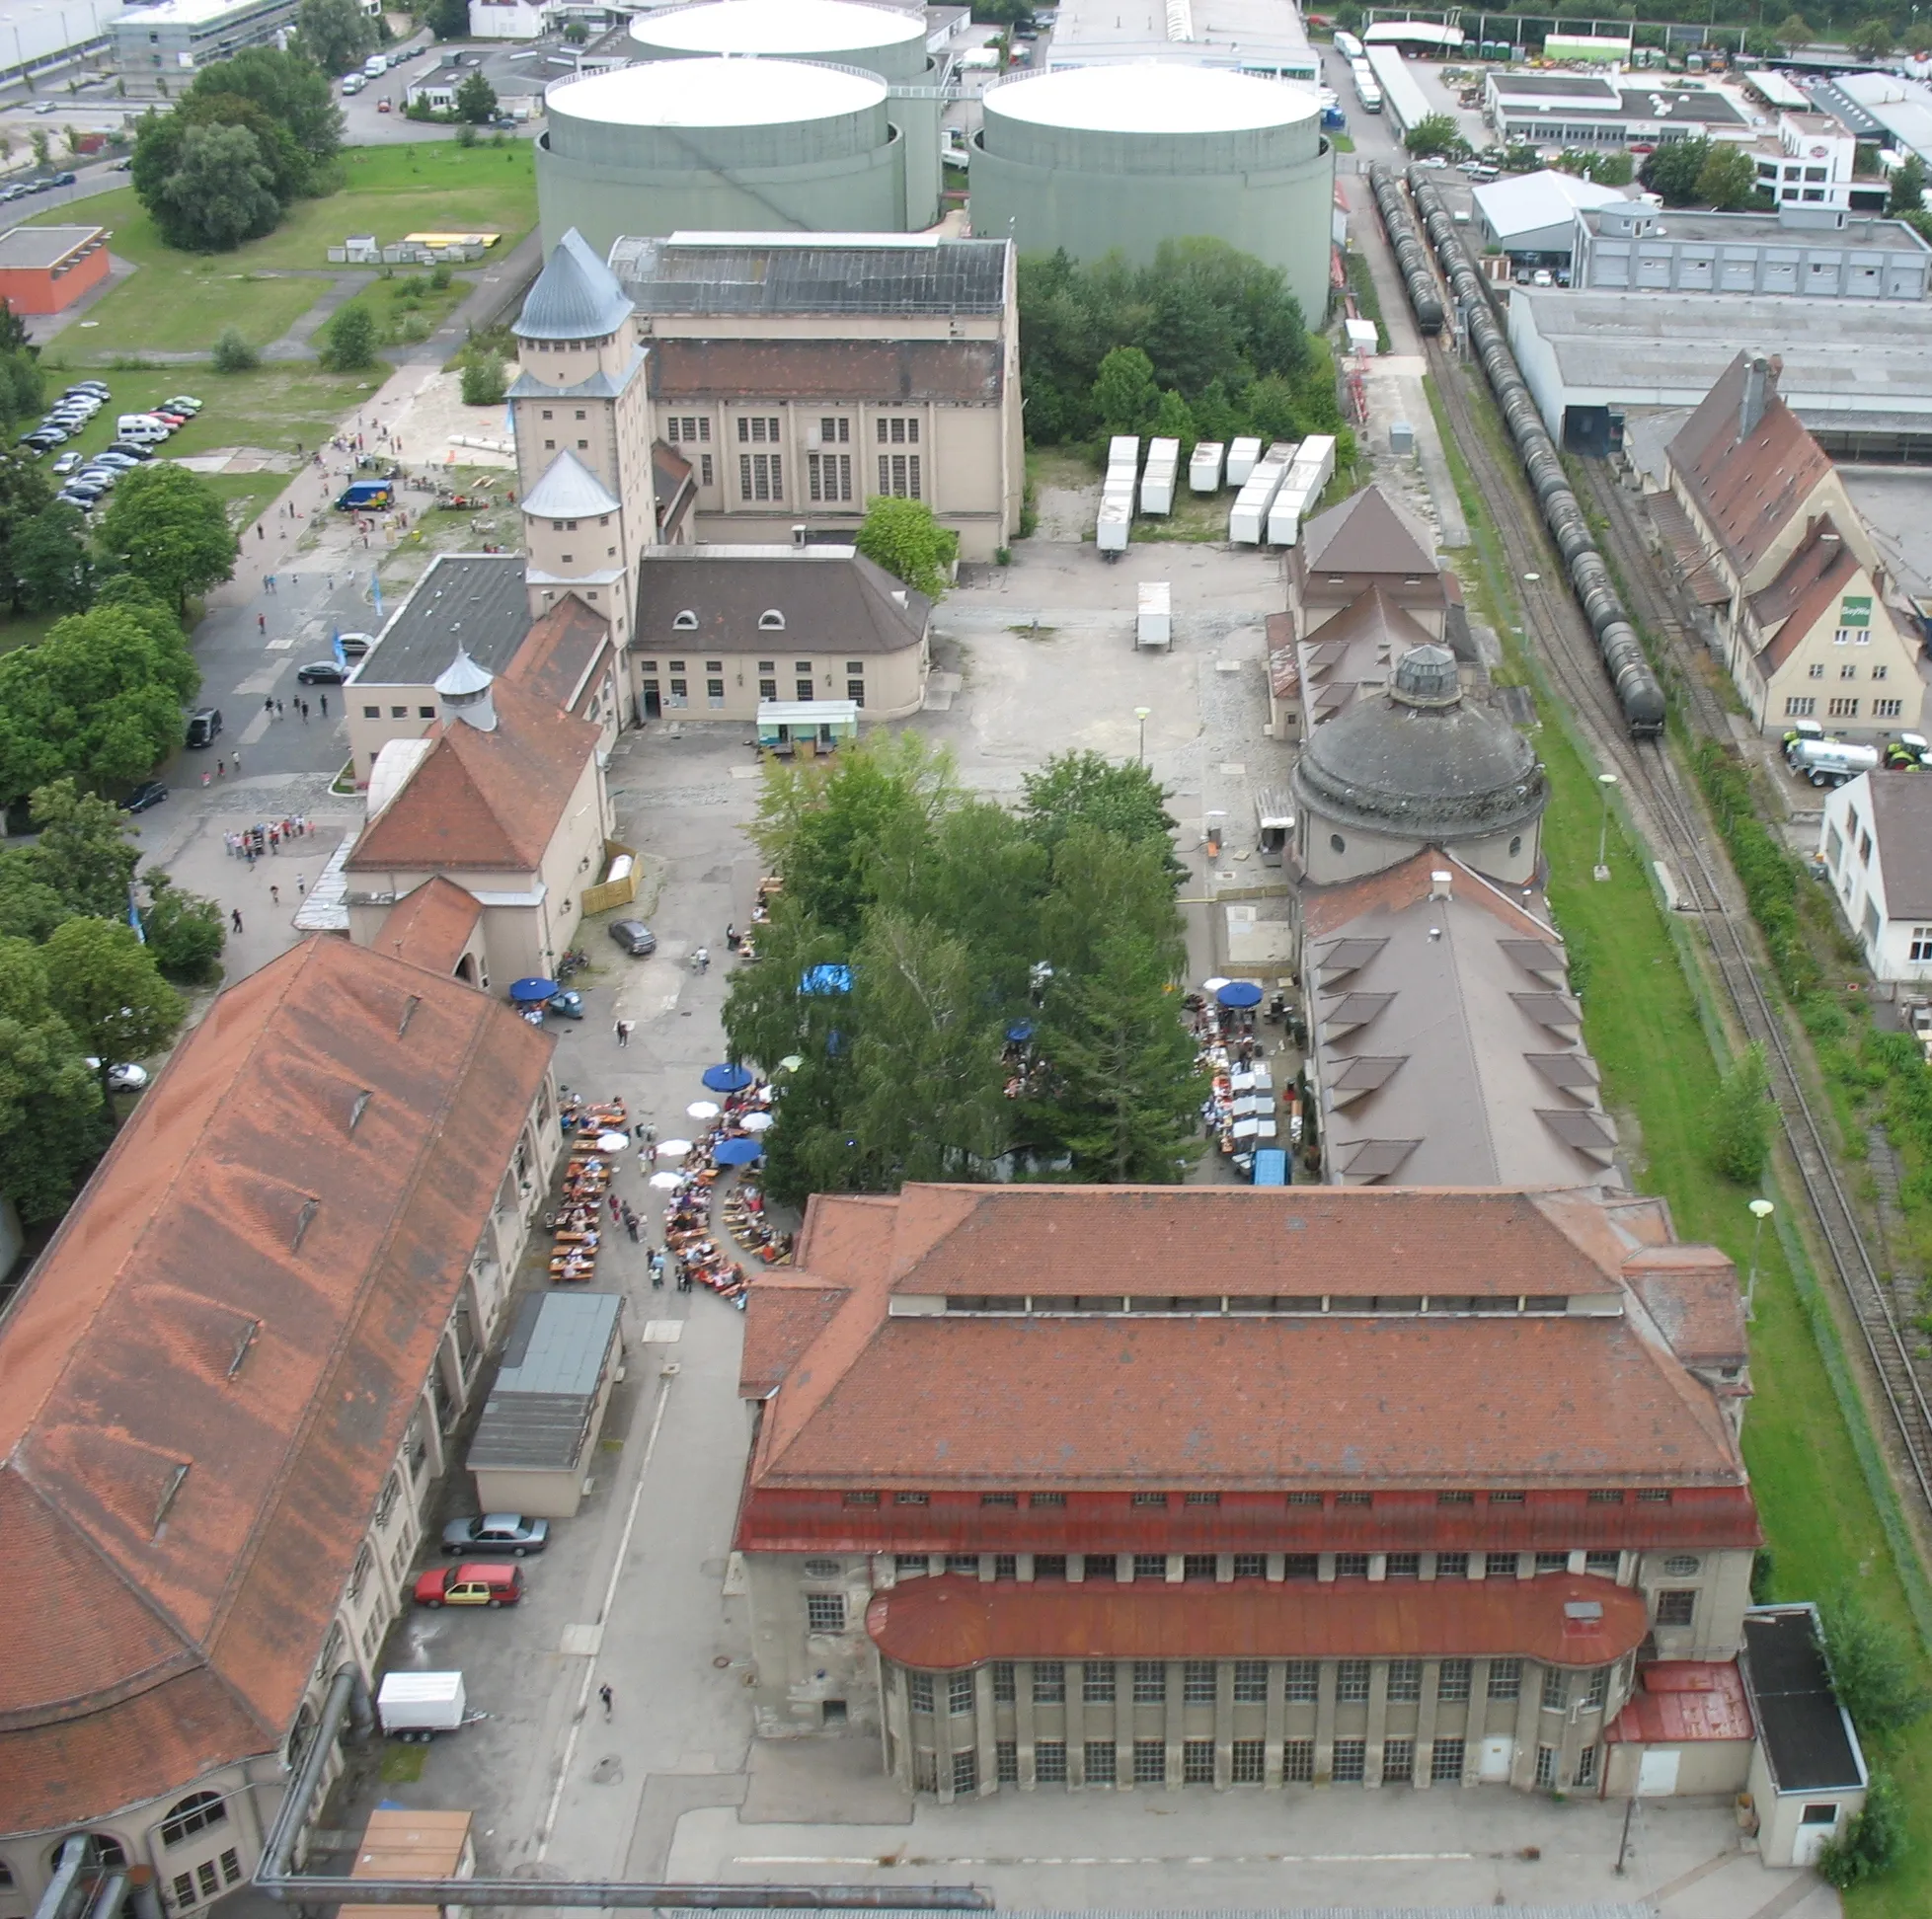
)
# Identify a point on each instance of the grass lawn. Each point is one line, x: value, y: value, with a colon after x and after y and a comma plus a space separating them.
x: 1830, y: 1516
x: 178, y: 302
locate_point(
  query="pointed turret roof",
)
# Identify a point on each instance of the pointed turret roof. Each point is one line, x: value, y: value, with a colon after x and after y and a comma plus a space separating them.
x: 569, y: 490
x: 575, y: 297
x: 1367, y: 534
x: 463, y: 675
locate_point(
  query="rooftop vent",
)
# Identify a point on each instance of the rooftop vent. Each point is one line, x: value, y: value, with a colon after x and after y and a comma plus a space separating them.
x: 1439, y: 885
x: 1425, y: 676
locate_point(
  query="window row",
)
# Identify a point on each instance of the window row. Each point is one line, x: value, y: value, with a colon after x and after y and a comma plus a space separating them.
x: 1198, y: 1305
x: 1604, y: 1496
x: 1204, y: 1567
x: 773, y: 618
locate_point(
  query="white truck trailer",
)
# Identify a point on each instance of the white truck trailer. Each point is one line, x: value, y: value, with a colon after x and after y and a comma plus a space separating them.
x: 1248, y: 516
x: 418, y: 1706
x: 1154, y: 623
x: 1204, y: 469
x: 1243, y: 455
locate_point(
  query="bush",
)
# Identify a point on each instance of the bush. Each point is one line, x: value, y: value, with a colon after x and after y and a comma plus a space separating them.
x: 1871, y: 1844
x: 1739, y: 1119
x: 349, y: 341
x: 1871, y: 1666
x: 483, y: 380
x: 233, y: 354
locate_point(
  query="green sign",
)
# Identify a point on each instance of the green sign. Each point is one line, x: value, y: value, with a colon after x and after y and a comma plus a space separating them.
x: 1855, y: 611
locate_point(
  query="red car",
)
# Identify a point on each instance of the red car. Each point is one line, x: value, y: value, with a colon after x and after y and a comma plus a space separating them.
x: 473, y: 1585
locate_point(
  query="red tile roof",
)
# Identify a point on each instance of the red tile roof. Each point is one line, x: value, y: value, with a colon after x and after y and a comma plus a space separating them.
x: 1747, y: 487
x: 558, y: 656
x: 1678, y: 1701
x: 430, y: 927
x: 1810, y: 584
x: 966, y: 372
x: 945, y: 1624
x: 920, y: 1400
x: 484, y: 800
x: 251, y: 1287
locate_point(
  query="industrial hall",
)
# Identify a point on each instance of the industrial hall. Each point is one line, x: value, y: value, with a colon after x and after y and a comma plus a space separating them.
x: 1167, y: 1525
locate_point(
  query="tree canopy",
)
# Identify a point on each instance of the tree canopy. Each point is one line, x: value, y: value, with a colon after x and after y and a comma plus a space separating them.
x: 970, y: 991
x: 1215, y: 327
x: 903, y: 537
x: 476, y: 98
x: 100, y: 698
x: 335, y: 34
x: 53, y: 1119
x: 1435, y: 133
x: 104, y: 982
x: 171, y: 530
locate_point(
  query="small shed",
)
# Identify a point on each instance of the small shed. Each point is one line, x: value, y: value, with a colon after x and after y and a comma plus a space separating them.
x: 540, y: 1423
x: 1807, y: 1775
x: 403, y: 1843
x: 1685, y: 1729
x: 804, y: 725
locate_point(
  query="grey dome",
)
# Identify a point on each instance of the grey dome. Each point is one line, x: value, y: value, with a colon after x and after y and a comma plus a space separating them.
x: 1420, y: 762
x: 576, y: 296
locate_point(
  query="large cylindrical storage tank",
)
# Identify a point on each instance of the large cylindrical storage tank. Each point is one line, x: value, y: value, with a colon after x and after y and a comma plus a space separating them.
x: 1100, y: 159
x: 883, y: 40
x: 722, y: 146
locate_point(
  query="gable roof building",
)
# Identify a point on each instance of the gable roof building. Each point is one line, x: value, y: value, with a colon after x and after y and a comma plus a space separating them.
x: 1188, y: 1450
x: 231, y: 1371
x: 1875, y: 847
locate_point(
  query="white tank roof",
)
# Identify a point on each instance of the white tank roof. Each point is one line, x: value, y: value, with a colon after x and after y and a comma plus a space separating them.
x: 715, y: 92
x: 1152, y: 99
x: 798, y: 27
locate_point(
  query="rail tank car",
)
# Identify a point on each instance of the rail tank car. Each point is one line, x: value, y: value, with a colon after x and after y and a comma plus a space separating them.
x: 1410, y: 255
x: 1638, y: 692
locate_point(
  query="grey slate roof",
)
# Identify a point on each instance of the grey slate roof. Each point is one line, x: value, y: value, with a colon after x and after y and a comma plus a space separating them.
x: 575, y: 297
x: 1901, y: 825
x: 472, y: 600
x: 569, y: 490
x: 538, y: 1414
x: 946, y: 276
x: 1808, y: 1741
x: 833, y: 600
x: 598, y: 386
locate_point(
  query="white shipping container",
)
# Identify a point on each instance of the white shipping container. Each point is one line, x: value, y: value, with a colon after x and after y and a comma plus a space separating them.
x: 1204, y: 469
x: 1248, y: 517
x: 420, y: 1702
x: 1284, y: 514
x: 1164, y: 449
x: 1111, y: 536
x: 1318, y: 451
x: 1124, y: 450
x: 1157, y: 488
x: 1241, y: 456
x: 1154, y: 624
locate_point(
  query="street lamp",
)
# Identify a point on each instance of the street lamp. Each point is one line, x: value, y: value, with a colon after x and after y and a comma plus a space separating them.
x: 1606, y: 781
x: 1761, y: 1210
x: 1141, y: 714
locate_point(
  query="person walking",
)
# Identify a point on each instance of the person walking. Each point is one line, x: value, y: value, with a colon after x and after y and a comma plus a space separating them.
x: 235, y: 914
x: 701, y: 959
x: 322, y: 700
x: 302, y: 707
x: 609, y: 1698
x: 262, y: 622
x: 275, y: 895
x: 221, y: 769
x: 656, y: 1269
x: 279, y: 708
x: 630, y: 1225
x: 238, y: 762
x: 616, y: 1210
x: 268, y: 705
x: 624, y: 1031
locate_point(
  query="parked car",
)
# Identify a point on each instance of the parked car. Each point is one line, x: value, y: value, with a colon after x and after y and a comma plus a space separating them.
x: 150, y: 792
x: 470, y: 1585
x: 121, y: 462
x: 99, y: 388
x: 131, y: 450
x: 322, y: 673
x: 355, y: 644
x: 635, y: 937
x: 125, y: 1079
x: 66, y: 463
x: 204, y: 725
x: 43, y: 107
x: 497, y: 1532
x: 182, y: 403
x: 65, y: 178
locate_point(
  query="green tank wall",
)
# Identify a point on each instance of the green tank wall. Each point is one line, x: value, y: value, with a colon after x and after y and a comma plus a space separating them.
x: 906, y: 61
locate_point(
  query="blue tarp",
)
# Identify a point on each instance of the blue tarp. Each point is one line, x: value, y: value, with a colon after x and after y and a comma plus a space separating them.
x: 527, y: 992
x: 826, y: 979
x: 1271, y: 1166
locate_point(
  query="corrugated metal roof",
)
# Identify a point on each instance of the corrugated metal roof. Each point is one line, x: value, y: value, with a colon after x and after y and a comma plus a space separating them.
x: 951, y: 277
x: 575, y: 297
x: 538, y: 1414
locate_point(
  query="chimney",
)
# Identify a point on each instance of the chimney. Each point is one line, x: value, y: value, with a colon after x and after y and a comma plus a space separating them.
x: 1760, y: 389
x: 1439, y: 885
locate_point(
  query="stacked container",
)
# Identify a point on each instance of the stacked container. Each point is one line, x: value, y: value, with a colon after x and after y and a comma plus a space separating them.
x: 1204, y: 469
x: 1312, y: 470
x: 1157, y: 481
x: 1248, y: 517
x: 1241, y: 455
x: 1117, y: 495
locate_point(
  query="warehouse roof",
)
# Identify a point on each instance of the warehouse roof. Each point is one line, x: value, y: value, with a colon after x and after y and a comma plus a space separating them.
x: 553, y: 1369
x: 1807, y: 1739
x: 45, y: 246
x: 827, y: 598
x: 475, y: 600
x: 1901, y: 825
x: 1529, y: 202
x: 751, y: 272
x: 1798, y: 228
x: 962, y: 372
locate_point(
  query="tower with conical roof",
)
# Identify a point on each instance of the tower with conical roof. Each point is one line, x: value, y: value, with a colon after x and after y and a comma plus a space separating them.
x: 463, y: 693
x: 582, y: 418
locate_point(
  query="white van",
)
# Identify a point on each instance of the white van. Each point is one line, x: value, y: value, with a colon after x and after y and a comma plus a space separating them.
x: 142, y: 426
x: 375, y: 66
x: 354, y: 83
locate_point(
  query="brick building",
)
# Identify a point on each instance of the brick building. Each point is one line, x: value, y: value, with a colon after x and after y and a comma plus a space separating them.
x: 1196, y: 1516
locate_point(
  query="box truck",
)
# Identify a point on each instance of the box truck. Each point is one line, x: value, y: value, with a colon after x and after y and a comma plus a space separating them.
x: 416, y: 1705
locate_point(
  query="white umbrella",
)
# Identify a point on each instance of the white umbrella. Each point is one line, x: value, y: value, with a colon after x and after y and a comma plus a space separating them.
x: 704, y: 1109
x: 666, y: 1182
x: 674, y: 1149
x: 756, y: 1122
x: 612, y: 1142
x: 1213, y: 985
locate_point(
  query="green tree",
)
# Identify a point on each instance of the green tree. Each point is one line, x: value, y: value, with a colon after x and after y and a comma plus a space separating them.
x: 1612, y: 169
x: 575, y: 34
x: 52, y: 1113
x: 1173, y: 420
x: 1739, y: 1119
x: 1795, y: 30
x: 42, y: 144
x: 1907, y: 187
x: 54, y: 569
x: 1125, y: 392
x: 233, y: 354
x: 295, y: 94
x: 335, y: 34
x: 903, y: 537
x: 1123, y: 1089
x: 1671, y: 172
x: 1873, y: 39
x: 349, y: 341
x: 218, y: 191
x: 169, y: 528
x: 31, y: 906
x: 84, y: 850
x: 1118, y: 797
x: 104, y: 982
x: 485, y: 379
x: 1872, y: 1842
x: 25, y: 495
x: 448, y: 19
x: 1432, y: 135
x: 1728, y: 179
x: 476, y: 99
x: 185, y: 932
x: 1874, y: 1667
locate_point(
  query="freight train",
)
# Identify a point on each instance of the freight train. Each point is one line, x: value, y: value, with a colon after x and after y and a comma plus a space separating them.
x: 1411, y: 256
x: 1638, y: 692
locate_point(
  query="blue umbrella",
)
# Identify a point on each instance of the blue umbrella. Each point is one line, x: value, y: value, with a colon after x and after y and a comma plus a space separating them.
x: 1019, y: 1030
x: 528, y: 991
x: 737, y: 1152
x: 1239, y: 993
x: 726, y: 1079
x: 826, y: 979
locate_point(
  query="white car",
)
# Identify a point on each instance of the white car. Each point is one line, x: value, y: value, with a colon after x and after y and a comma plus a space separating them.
x: 122, y: 1079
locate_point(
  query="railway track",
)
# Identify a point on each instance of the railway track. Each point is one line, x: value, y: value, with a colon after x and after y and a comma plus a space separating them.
x: 1672, y: 818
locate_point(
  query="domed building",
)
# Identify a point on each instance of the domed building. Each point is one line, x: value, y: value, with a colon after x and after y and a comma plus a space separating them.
x: 1418, y: 766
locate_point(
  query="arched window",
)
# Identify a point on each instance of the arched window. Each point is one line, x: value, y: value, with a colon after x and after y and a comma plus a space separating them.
x: 1337, y: 844
x: 386, y: 1500
x: 1515, y: 845
x: 195, y: 1813
x: 104, y: 1853
x: 360, y: 1575
x: 687, y: 622
x: 771, y: 619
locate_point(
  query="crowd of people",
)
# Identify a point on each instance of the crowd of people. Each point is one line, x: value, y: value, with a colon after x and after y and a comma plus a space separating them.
x: 1239, y: 1113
